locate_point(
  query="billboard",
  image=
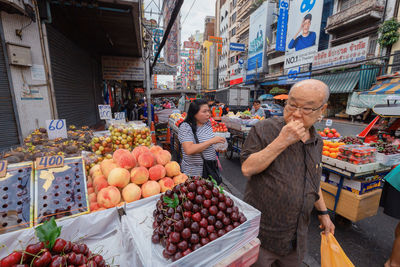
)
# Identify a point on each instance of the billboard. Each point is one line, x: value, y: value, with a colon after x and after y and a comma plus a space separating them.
x: 282, y: 25
x: 171, y: 49
x: 257, y: 39
x: 341, y: 54
x: 302, y: 32
x: 192, y: 45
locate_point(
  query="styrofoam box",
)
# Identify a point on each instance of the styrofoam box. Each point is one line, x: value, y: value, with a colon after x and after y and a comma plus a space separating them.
x: 139, y: 219
x: 388, y: 160
x: 101, y: 231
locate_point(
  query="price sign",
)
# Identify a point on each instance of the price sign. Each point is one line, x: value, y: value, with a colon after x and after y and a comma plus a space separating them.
x: 119, y: 116
x: 328, y: 123
x: 56, y: 129
x: 3, y: 168
x: 105, y: 112
x: 49, y: 162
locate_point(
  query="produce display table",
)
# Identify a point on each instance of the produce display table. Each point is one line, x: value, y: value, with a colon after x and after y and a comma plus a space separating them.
x: 348, y: 204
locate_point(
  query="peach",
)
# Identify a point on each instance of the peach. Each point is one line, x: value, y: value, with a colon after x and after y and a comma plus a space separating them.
x: 173, y: 169
x: 119, y: 177
x: 155, y: 149
x: 150, y: 188
x: 99, y: 184
x: 157, y: 172
x: 166, y: 183
x: 163, y: 157
x: 94, y: 206
x: 89, y: 184
x: 146, y: 160
x: 139, y: 175
x: 181, y: 178
x: 139, y: 150
x: 90, y: 190
x: 92, y: 197
x: 131, y: 192
x: 124, y: 158
x: 95, y: 168
x: 107, y: 166
x: 109, y: 197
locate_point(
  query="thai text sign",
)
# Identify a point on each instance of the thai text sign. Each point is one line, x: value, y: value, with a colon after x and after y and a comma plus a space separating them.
x: 342, y: 54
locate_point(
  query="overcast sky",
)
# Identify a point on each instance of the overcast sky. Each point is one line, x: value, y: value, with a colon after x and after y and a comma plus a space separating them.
x: 194, y: 21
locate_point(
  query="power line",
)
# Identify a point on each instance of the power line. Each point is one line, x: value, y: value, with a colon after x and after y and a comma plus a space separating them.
x: 188, y: 12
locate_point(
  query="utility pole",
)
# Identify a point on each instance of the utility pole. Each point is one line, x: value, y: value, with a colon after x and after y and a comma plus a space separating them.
x: 148, y: 85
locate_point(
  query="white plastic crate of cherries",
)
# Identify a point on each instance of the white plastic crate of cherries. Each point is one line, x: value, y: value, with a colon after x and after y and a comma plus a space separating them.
x: 192, y: 215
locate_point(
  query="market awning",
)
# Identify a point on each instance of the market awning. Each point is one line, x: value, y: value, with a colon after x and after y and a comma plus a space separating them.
x: 340, y: 83
x: 385, y: 87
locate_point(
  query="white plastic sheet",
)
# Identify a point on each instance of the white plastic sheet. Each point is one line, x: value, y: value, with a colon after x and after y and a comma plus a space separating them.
x: 127, y: 242
x: 101, y: 231
x: 139, y: 219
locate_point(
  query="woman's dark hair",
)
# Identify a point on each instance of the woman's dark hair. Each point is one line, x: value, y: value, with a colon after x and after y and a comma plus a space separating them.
x: 194, y: 108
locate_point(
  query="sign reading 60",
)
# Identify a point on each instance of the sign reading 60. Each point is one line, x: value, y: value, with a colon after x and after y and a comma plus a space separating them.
x: 307, y: 5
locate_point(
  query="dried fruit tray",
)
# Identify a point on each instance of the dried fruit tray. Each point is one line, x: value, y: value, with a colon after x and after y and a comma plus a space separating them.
x: 61, y: 192
x: 16, y: 191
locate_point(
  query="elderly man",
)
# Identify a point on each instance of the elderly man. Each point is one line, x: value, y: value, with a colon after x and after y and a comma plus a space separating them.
x: 282, y: 158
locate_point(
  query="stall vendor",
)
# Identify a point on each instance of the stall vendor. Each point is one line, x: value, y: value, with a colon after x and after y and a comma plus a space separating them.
x: 282, y: 159
x: 257, y: 110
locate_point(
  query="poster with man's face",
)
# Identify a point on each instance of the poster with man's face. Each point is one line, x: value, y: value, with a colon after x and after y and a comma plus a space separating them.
x: 302, y: 32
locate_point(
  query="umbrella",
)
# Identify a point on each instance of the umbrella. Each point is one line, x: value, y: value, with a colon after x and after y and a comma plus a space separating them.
x: 281, y: 97
x: 265, y: 97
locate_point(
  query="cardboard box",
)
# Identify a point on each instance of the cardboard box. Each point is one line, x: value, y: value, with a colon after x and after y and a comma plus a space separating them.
x: 243, y: 257
x: 358, y: 187
x: 352, y: 206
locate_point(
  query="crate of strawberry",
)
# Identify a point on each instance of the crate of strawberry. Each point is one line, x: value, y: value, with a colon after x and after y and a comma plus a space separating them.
x: 357, y: 154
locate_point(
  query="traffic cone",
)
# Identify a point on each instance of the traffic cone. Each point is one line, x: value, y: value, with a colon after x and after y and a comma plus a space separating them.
x: 153, y: 133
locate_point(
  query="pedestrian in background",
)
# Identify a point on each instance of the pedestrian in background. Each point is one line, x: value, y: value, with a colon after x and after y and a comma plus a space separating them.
x: 282, y: 158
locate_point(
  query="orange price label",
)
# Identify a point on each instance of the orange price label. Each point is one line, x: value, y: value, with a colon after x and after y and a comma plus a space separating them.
x: 3, y: 168
x: 49, y: 162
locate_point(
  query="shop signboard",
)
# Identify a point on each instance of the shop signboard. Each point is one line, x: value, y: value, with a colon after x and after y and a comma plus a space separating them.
x: 56, y: 129
x: 282, y: 25
x: 257, y: 40
x: 122, y: 68
x: 342, y: 54
x: 184, y: 53
x: 215, y: 39
x: 294, y: 75
x: 302, y: 32
x: 237, y: 47
x: 191, y: 45
x: 171, y: 49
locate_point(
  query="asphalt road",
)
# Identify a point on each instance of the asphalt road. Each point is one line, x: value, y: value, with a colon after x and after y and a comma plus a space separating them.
x: 367, y: 242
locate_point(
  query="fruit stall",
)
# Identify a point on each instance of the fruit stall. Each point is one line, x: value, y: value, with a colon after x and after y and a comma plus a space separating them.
x: 352, y: 176
x: 116, y: 200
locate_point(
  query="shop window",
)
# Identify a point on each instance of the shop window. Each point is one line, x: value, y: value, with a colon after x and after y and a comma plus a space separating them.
x: 345, y: 4
x: 274, y: 36
x: 233, y: 18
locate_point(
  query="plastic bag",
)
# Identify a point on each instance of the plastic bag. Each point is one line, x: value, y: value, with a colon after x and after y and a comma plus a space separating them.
x: 332, y: 255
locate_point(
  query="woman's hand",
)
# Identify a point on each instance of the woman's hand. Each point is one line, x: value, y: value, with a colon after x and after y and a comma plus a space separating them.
x: 218, y: 139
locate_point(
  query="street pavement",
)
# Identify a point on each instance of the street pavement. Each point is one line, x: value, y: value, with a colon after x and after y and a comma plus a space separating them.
x: 367, y: 242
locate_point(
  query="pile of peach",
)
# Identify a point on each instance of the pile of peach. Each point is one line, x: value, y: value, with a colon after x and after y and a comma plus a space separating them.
x: 331, y: 149
x: 129, y: 176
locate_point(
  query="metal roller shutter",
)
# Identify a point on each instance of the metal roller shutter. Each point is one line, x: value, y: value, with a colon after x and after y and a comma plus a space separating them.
x: 74, y: 80
x: 8, y: 124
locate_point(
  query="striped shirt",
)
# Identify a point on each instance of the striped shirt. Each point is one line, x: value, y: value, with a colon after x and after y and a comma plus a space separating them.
x: 192, y: 165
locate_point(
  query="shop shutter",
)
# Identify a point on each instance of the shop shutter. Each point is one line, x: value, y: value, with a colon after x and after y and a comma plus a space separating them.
x: 74, y: 77
x: 8, y: 124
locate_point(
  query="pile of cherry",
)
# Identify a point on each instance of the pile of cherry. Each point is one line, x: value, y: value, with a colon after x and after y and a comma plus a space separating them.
x: 63, y: 253
x: 192, y: 215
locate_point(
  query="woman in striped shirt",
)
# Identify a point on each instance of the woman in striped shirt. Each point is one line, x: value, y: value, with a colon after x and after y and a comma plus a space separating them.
x: 198, y: 121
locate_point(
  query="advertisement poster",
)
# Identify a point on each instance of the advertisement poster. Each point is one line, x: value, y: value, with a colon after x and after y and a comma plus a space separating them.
x: 302, y: 32
x: 282, y: 25
x: 342, y: 54
x: 257, y: 39
x: 171, y: 49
